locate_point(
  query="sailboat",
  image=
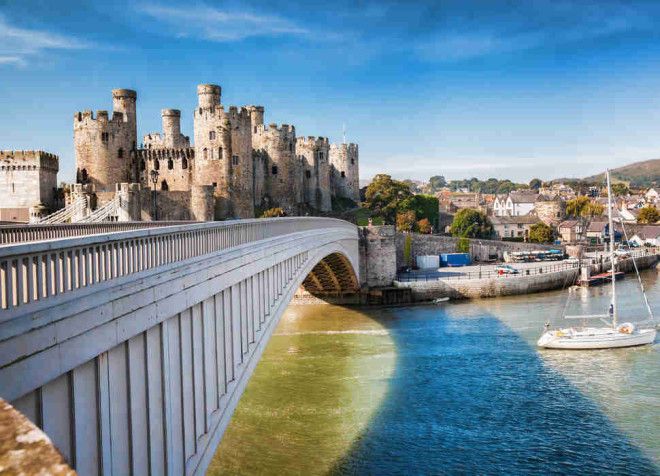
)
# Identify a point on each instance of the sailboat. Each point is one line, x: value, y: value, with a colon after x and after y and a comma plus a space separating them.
x: 612, y: 334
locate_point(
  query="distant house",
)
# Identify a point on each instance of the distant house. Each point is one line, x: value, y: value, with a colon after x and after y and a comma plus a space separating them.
x: 514, y: 204
x: 451, y: 202
x: 598, y: 230
x: 651, y: 195
x: 646, y: 235
x: 513, y: 226
x: 570, y: 231
x: 628, y: 215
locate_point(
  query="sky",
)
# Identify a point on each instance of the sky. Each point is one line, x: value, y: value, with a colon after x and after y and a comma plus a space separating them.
x: 505, y: 89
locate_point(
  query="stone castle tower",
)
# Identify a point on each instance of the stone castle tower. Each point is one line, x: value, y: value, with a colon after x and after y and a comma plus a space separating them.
x: 236, y: 165
x: 223, y: 153
x: 314, y: 155
x: 345, y: 177
x: 105, y: 146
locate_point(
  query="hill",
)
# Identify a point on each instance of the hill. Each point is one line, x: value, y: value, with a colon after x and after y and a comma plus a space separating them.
x: 637, y: 175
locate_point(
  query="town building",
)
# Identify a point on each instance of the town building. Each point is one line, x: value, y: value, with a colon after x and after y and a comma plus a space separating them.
x: 236, y: 162
x: 28, y: 179
x: 645, y: 235
x: 513, y: 226
x: 514, y: 204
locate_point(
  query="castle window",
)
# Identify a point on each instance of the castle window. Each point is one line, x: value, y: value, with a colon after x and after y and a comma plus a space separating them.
x: 120, y: 153
x: 79, y: 116
x: 308, y: 174
x: 184, y: 163
x: 352, y: 161
x: 13, y: 187
x: 211, y: 135
x: 291, y: 146
x: 215, y: 184
x: 234, y: 159
x: 104, y: 136
x: 170, y: 164
x: 274, y: 170
x: 164, y: 186
x: 200, y: 111
x: 320, y: 155
x: 219, y: 152
x: 205, y: 153
x: 343, y: 174
x: 133, y: 145
x: 83, y: 175
x: 255, y: 129
x: 156, y: 164
x: 142, y: 165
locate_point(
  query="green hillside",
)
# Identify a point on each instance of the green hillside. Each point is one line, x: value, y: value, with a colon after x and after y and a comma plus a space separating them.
x: 637, y: 175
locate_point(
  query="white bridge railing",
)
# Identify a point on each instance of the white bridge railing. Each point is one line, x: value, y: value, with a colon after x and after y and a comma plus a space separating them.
x: 31, y: 272
x: 67, y: 213
x: 107, y: 212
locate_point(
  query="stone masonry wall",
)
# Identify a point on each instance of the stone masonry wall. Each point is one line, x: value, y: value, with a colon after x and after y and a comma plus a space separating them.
x: 27, y: 178
x: 377, y: 255
x: 480, y: 250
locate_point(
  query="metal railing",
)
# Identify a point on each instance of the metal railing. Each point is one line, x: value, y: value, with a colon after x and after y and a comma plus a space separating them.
x: 31, y: 272
x: 12, y: 234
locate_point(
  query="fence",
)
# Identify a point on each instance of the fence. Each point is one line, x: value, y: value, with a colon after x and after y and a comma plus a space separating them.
x: 35, y: 271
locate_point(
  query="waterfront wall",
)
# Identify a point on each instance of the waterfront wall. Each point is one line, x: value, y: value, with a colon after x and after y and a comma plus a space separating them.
x: 510, y: 285
x: 378, y: 251
x: 480, y: 250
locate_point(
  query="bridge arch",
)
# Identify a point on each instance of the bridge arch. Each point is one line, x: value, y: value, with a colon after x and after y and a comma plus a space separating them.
x: 132, y: 349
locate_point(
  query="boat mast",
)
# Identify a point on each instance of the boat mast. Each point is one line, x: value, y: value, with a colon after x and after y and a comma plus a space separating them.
x: 611, y: 226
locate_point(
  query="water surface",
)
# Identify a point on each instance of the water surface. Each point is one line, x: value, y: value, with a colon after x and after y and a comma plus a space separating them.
x: 457, y: 388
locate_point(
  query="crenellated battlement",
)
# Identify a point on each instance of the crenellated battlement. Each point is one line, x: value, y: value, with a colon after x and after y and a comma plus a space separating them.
x: 87, y: 117
x: 165, y: 154
x: 313, y: 141
x: 284, y: 131
x: 28, y: 160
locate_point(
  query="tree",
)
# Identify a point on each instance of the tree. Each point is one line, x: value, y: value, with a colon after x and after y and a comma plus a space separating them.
x: 592, y: 209
x: 649, y: 215
x: 383, y: 196
x: 540, y: 233
x: 406, y: 221
x: 424, y: 206
x: 424, y: 226
x: 535, y: 184
x: 575, y: 206
x: 463, y: 245
x: 273, y: 213
x: 619, y: 189
x: 437, y: 182
x: 470, y: 223
x: 414, y: 187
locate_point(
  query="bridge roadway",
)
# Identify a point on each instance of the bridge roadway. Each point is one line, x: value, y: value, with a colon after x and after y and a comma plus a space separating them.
x: 131, y: 349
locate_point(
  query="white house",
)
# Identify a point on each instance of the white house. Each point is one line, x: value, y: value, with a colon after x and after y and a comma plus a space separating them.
x: 646, y: 235
x: 514, y: 204
x: 651, y: 195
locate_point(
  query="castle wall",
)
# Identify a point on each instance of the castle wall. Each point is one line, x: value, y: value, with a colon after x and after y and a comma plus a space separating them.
x: 174, y: 168
x: 171, y: 205
x: 103, y: 146
x: 550, y: 212
x: 313, y: 153
x: 283, y: 181
x: 28, y: 178
x: 344, y: 159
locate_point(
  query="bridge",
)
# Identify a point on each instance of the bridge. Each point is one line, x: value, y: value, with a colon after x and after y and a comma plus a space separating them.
x: 131, y: 347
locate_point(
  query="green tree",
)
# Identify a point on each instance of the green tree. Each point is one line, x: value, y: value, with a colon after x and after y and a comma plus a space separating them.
x: 620, y: 189
x: 540, y: 233
x: 535, y: 184
x: 437, y: 182
x: 424, y: 226
x: 414, y: 188
x: 406, y: 221
x: 470, y: 223
x: 424, y: 206
x: 383, y: 196
x: 649, y: 214
x: 273, y: 213
x: 463, y: 245
x: 593, y: 209
x: 575, y: 206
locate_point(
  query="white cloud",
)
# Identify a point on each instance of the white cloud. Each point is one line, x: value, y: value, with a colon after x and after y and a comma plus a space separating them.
x: 219, y: 25
x: 18, y: 45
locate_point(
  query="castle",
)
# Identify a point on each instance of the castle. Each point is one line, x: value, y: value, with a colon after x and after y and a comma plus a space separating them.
x: 237, y: 167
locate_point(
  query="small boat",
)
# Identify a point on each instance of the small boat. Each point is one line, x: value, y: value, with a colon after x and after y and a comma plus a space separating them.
x: 440, y: 300
x: 614, y: 334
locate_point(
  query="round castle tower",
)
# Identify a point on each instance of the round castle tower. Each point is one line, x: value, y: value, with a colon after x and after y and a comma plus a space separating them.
x: 314, y: 153
x: 344, y: 158
x: 550, y: 211
x: 275, y: 149
x: 105, y: 147
x: 223, y: 153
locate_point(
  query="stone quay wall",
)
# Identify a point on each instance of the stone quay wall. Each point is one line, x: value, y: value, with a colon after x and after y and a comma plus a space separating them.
x: 480, y: 250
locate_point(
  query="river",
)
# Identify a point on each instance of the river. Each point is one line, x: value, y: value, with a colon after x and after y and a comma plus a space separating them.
x: 458, y: 388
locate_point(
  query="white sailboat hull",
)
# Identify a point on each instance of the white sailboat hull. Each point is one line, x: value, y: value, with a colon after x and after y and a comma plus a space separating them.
x: 595, y: 338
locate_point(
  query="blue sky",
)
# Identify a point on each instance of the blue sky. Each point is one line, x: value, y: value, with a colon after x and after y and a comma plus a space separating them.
x: 513, y: 89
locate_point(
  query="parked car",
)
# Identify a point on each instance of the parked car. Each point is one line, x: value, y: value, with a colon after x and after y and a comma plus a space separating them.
x: 506, y: 269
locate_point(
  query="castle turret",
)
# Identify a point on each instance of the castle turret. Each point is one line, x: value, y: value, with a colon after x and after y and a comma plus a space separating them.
x: 256, y: 117
x: 105, y: 147
x: 345, y: 173
x: 313, y: 152
x: 223, y: 153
